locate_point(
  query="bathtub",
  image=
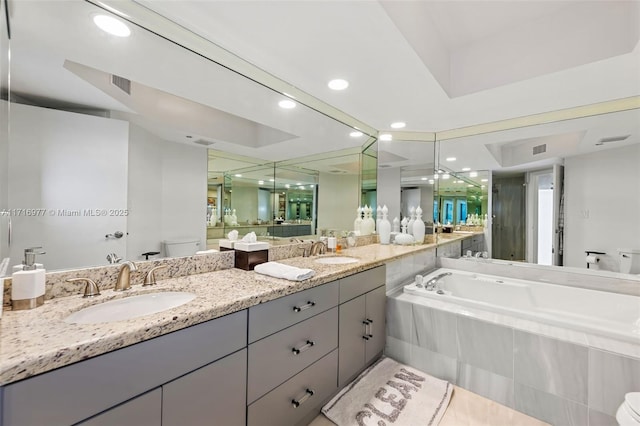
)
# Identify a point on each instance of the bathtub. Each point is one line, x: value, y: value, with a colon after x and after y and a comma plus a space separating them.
x: 611, y: 315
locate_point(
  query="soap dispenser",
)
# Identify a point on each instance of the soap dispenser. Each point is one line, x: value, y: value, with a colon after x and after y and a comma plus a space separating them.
x: 28, y: 285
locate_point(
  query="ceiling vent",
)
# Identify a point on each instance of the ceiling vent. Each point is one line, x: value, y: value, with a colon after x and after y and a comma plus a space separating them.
x: 539, y: 149
x: 612, y: 139
x: 121, y: 83
x: 203, y: 142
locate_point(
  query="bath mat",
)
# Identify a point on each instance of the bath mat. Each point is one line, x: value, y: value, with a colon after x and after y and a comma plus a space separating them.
x: 390, y: 393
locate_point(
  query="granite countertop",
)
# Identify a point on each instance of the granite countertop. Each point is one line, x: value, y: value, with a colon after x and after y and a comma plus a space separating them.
x: 38, y: 340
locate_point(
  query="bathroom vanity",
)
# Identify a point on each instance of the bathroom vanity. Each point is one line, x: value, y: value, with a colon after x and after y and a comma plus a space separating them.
x: 249, y: 349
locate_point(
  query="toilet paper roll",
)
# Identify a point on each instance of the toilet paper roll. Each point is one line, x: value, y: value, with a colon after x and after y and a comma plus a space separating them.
x: 592, y: 259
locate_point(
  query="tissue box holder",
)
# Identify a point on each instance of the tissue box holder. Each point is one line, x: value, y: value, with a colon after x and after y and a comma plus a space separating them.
x: 248, y: 255
x: 226, y: 245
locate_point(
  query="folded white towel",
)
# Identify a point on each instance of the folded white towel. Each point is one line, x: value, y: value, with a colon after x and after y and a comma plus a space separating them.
x: 280, y: 270
x: 250, y: 238
x: 207, y: 251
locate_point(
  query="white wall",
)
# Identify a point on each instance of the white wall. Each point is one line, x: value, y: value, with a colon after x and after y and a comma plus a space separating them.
x: 167, y: 193
x: 338, y: 197
x: 602, y: 205
x: 389, y: 190
x: 66, y: 161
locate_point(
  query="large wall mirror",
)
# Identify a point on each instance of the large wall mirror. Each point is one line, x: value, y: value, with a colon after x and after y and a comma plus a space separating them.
x: 555, y: 190
x: 405, y: 179
x: 111, y: 136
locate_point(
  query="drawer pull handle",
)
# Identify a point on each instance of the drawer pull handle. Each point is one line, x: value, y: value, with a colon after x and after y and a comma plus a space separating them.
x: 368, y: 329
x: 297, y: 351
x: 304, y: 307
x: 307, y: 394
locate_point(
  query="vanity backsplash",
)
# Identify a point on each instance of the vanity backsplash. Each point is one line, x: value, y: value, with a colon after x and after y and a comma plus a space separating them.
x: 106, y: 276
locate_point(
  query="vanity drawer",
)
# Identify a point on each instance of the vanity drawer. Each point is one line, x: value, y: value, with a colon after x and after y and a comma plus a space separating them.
x: 362, y: 283
x: 277, y: 407
x: 275, y: 315
x: 273, y: 360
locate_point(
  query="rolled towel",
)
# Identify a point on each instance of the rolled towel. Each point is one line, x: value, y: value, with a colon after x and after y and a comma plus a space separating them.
x: 280, y: 270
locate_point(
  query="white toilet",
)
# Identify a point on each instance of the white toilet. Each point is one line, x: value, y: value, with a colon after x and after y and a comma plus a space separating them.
x: 181, y: 248
x: 628, y: 413
x: 629, y: 261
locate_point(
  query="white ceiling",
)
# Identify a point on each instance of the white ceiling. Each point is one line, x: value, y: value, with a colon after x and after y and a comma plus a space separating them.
x: 436, y: 65
x: 514, y: 58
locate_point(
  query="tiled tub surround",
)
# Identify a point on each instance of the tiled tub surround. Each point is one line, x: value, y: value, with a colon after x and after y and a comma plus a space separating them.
x: 38, y: 340
x: 574, y: 277
x: 558, y: 375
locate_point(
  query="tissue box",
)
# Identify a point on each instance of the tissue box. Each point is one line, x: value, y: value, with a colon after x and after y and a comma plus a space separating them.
x: 248, y: 255
x: 226, y: 245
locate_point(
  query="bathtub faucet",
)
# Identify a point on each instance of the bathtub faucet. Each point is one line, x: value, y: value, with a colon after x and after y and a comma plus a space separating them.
x: 432, y: 284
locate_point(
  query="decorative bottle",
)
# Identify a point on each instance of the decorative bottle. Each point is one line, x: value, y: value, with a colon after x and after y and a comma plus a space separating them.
x: 367, y: 226
x: 418, y: 227
x: 358, y: 222
x: 412, y: 214
x: 396, y: 225
x: 384, y: 228
x: 378, y: 218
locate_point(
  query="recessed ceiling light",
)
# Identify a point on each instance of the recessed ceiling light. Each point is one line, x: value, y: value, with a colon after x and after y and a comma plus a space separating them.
x: 398, y: 125
x: 272, y: 180
x: 311, y: 186
x: 466, y: 169
x: 338, y: 84
x: 287, y: 186
x: 431, y: 181
x: 473, y: 174
x: 260, y: 182
x: 298, y: 183
x: 446, y: 176
x: 111, y: 25
x: 484, y: 180
x: 287, y: 104
x: 386, y: 137
x: 451, y: 158
x: 424, y: 178
x: 469, y: 186
x: 355, y: 134
x: 238, y: 175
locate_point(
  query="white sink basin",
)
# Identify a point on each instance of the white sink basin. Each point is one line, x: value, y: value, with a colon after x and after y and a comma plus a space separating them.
x: 337, y: 260
x: 129, y: 307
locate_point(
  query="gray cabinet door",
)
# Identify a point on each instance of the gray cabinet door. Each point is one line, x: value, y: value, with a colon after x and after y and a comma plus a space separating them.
x: 213, y: 394
x: 145, y: 410
x: 351, y: 340
x: 375, y: 313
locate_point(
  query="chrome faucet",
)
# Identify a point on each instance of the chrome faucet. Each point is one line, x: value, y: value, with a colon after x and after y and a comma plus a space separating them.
x: 123, y: 282
x: 433, y: 283
x: 318, y: 247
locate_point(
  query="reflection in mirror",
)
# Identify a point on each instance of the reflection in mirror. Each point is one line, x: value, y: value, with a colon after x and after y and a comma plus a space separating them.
x: 369, y: 176
x: 123, y: 127
x: 461, y: 202
x: 337, y: 189
x: 405, y: 179
x: 559, y: 189
x: 5, y: 223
